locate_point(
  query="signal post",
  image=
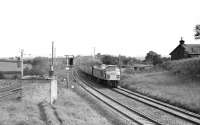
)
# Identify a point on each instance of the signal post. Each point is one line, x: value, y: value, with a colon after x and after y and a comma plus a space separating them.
x: 70, y: 63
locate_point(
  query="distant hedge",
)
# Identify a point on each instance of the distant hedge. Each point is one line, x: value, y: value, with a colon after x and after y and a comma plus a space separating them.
x: 40, y: 66
x: 88, y: 60
x: 190, y: 66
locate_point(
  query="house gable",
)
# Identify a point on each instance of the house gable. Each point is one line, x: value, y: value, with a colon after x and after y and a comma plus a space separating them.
x: 185, y: 50
x: 178, y: 53
x: 175, y: 50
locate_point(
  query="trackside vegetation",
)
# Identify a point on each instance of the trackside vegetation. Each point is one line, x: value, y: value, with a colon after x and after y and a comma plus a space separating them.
x: 40, y: 66
x: 190, y: 66
x: 87, y: 60
x: 175, y: 82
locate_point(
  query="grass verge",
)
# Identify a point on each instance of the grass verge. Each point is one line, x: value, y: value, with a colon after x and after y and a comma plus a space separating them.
x: 73, y: 110
x: 15, y: 112
x: 180, y: 90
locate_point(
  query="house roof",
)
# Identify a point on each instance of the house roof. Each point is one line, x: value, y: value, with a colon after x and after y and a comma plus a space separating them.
x: 8, y: 67
x: 193, y: 49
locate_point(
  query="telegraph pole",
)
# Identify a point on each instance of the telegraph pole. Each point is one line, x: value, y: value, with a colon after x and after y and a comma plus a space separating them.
x: 52, y: 53
x: 53, y: 81
x: 119, y: 63
x: 94, y: 51
x: 51, y: 72
x: 22, y: 66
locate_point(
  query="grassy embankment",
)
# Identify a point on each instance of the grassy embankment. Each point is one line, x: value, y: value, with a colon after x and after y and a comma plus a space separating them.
x: 70, y: 108
x: 178, y: 84
x: 24, y: 111
x: 73, y: 110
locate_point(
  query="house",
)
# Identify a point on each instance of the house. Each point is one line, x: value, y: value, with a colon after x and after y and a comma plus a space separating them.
x: 185, y: 51
x: 9, y: 69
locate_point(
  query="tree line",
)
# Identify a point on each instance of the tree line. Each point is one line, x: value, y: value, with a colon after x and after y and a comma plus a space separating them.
x: 150, y: 58
x: 41, y: 65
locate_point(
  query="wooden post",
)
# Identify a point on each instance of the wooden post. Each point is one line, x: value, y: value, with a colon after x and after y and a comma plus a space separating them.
x: 22, y: 66
x: 120, y: 66
x: 67, y: 79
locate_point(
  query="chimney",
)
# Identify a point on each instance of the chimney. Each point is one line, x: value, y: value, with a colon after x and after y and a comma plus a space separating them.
x: 182, y: 41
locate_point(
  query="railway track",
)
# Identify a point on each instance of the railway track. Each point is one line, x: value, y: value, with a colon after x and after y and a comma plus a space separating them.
x: 184, y: 114
x: 114, y: 104
x: 11, y: 90
x: 168, y: 113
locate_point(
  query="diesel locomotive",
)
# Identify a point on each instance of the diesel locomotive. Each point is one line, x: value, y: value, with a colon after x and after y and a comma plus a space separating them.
x: 106, y: 74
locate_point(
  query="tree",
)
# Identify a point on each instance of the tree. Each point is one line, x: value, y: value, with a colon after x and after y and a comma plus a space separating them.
x: 153, y: 58
x: 40, y: 66
x: 165, y: 59
x: 98, y: 55
x: 109, y: 60
x: 114, y: 60
x: 132, y: 61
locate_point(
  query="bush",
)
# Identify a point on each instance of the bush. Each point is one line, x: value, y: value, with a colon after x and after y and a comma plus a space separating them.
x: 114, y: 60
x: 153, y: 58
x: 40, y: 66
x: 189, y: 66
x: 110, y: 60
x: 88, y: 60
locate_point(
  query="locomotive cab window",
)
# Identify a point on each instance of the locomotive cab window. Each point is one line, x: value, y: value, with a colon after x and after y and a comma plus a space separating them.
x: 112, y: 68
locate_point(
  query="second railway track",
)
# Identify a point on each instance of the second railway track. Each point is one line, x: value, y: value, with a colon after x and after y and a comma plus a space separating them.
x: 190, y: 116
x: 156, y: 113
x: 11, y: 90
x: 120, y: 108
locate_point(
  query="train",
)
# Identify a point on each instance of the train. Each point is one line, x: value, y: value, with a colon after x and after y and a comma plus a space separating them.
x: 106, y: 74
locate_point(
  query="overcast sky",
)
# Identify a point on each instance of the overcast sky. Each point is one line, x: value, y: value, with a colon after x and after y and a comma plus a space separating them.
x: 126, y: 27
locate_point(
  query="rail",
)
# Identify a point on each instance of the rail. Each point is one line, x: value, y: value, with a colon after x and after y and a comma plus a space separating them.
x: 168, y: 109
x: 128, y: 112
x: 11, y: 90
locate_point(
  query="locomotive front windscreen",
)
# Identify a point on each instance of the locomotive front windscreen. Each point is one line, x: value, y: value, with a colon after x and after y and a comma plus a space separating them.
x: 112, y: 68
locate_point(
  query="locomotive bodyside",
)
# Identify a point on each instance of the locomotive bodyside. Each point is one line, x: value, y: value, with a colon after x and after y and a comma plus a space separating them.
x: 107, y: 74
x: 86, y: 69
x: 99, y: 72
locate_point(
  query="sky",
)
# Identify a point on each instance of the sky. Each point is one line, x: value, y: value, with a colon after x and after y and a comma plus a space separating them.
x: 125, y: 27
